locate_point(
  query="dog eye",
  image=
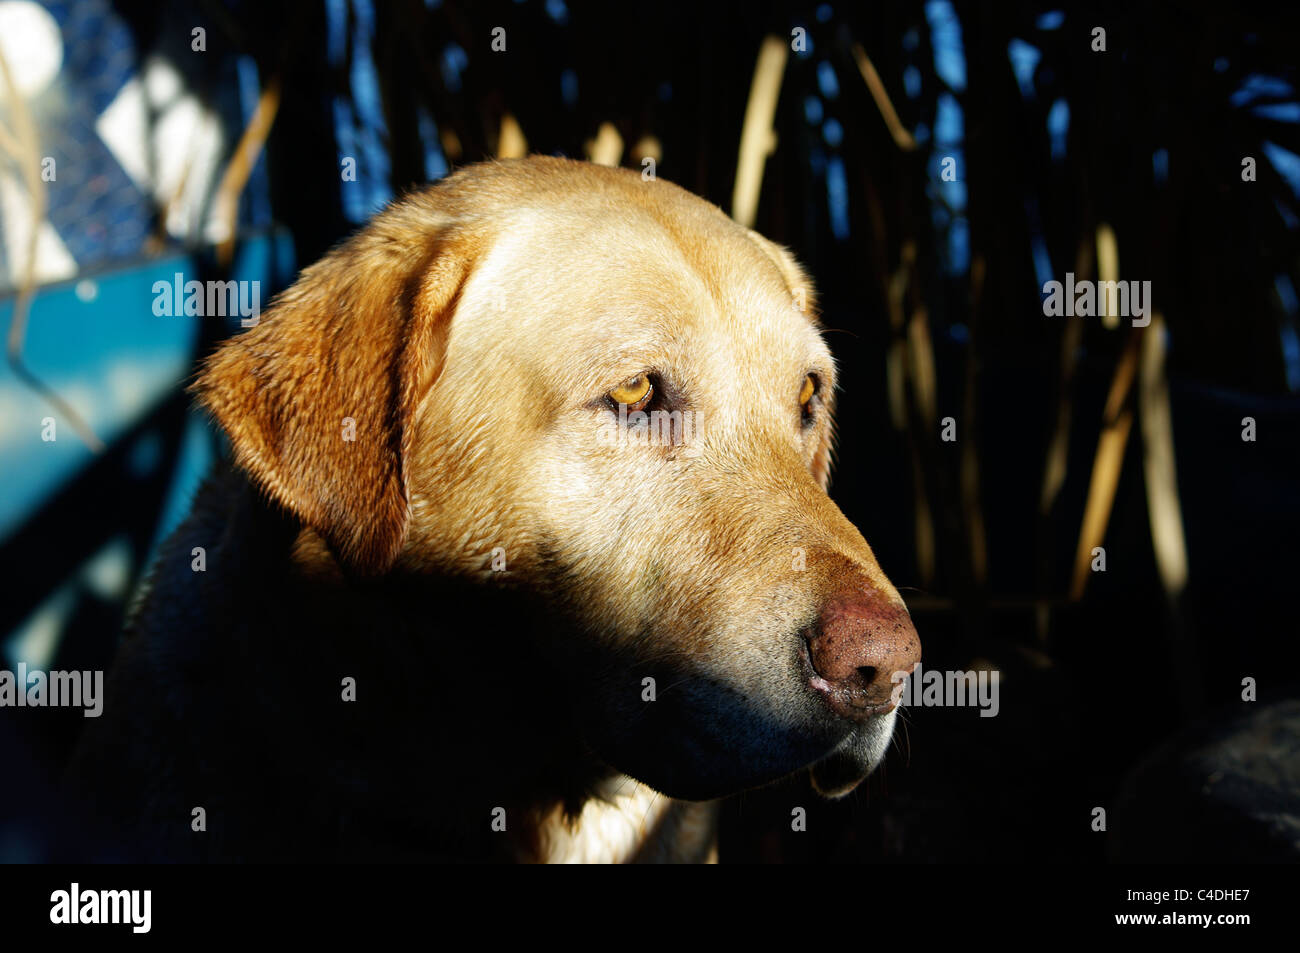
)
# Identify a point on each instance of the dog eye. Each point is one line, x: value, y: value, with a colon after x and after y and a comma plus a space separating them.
x: 806, y: 393
x: 635, y: 393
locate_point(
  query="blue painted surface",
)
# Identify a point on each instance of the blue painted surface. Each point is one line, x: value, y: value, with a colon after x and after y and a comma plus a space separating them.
x: 97, y: 343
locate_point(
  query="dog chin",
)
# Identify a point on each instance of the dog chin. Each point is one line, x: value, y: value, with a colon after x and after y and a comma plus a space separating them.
x: 857, y: 756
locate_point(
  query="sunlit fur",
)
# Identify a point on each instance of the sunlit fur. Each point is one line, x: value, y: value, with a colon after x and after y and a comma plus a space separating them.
x: 472, y: 333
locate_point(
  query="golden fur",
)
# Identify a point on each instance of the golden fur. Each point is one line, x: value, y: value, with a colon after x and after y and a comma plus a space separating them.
x: 466, y: 339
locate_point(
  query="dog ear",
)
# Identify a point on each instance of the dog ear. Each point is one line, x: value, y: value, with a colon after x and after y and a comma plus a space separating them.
x: 319, y: 398
x: 804, y: 298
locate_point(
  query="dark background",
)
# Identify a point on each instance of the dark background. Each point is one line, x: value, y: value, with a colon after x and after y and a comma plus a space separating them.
x: 1126, y: 695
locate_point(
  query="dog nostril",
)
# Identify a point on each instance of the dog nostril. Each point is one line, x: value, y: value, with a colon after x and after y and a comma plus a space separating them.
x: 868, y: 674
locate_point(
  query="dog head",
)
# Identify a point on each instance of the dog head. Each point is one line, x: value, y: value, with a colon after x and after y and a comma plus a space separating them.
x: 601, y: 390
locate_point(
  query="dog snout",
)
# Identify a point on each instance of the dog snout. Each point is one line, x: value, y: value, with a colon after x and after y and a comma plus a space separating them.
x: 859, y: 645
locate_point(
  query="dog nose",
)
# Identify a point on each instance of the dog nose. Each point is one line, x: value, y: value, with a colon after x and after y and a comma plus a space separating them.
x: 859, y: 644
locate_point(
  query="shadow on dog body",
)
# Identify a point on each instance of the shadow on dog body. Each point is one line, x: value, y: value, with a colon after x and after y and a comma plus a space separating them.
x: 441, y: 495
x: 227, y: 695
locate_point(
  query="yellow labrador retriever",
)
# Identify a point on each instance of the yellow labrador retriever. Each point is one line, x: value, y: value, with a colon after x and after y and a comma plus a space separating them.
x: 527, y: 553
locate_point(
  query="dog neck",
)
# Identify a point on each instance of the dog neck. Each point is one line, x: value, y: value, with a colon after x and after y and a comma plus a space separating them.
x: 594, y: 815
x: 396, y: 718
